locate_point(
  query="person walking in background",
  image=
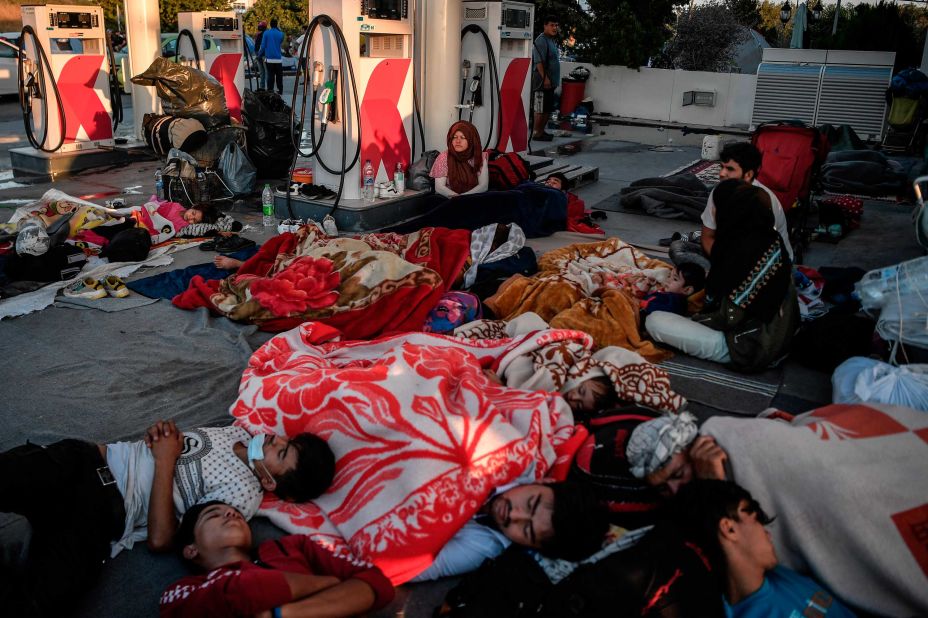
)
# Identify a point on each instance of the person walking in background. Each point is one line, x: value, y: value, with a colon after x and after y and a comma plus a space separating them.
x: 259, y: 59
x: 270, y: 50
x: 547, y: 76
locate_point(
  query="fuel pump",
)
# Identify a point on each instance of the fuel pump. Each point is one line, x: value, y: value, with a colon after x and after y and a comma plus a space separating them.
x: 496, y: 53
x: 65, y: 85
x: 214, y: 42
x: 358, y: 60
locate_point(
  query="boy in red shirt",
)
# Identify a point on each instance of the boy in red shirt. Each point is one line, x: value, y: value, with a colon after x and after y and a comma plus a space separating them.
x: 289, y: 576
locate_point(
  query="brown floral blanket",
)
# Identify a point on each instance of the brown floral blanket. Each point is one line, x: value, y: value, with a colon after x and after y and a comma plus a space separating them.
x: 363, y: 286
x: 593, y: 287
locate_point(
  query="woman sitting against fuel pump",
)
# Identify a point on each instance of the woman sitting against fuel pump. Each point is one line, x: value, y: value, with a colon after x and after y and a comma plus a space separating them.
x: 462, y: 168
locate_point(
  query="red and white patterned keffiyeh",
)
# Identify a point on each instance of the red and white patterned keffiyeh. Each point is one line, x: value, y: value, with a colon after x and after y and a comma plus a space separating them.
x: 421, y: 436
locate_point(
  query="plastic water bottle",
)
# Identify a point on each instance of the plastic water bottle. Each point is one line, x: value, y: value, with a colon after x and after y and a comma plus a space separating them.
x: 399, y: 179
x: 267, y: 207
x: 202, y: 188
x: 159, y: 184
x: 879, y: 285
x: 368, y: 191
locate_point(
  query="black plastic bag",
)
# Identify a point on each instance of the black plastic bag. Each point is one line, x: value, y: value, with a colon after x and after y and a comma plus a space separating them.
x: 186, y: 92
x: 269, y: 138
x: 419, y: 178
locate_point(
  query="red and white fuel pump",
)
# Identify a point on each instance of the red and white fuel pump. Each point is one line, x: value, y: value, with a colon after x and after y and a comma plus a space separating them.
x: 375, y: 123
x: 64, y: 78
x: 496, y: 63
x: 222, y: 57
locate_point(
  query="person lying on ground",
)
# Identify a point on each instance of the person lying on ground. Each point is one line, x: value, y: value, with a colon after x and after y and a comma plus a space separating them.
x: 120, y: 493
x: 685, y: 280
x: 751, y: 311
x: 558, y: 519
x: 165, y: 220
x: 728, y: 525
x: 289, y: 576
x: 589, y: 381
x: 579, y: 219
x: 462, y: 168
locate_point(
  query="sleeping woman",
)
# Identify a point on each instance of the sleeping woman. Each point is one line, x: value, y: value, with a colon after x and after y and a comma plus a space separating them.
x: 462, y: 168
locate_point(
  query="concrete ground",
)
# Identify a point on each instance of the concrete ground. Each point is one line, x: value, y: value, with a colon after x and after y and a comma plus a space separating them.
x: 135, y: 578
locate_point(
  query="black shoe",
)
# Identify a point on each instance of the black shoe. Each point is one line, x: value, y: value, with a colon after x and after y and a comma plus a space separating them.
x: 665, y: 242
x: 232, y: 244
x: 310, y: 190
x: 325, y: 194
x: 544, y: 137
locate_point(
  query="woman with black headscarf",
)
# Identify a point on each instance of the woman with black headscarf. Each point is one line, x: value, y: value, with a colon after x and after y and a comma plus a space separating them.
x: 462, y: 169
x: 751, y: 311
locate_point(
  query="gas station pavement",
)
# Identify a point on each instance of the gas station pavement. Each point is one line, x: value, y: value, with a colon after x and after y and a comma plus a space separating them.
x: 132, y: 583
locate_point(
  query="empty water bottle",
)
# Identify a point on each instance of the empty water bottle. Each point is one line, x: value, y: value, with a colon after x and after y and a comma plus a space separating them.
x: 399, y: 179
x: 159, y: 184
x: 267, y: 207
x: 202, y: 188
x: 900, y: 279
x: 368, y: 191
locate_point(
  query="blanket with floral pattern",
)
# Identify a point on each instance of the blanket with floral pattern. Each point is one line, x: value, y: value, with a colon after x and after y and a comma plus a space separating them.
x: 364, y: 286
x: 593, y: 287
x: 421, y: 436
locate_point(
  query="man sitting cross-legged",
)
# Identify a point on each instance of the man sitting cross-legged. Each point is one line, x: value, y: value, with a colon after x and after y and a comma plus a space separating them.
x: 729, y: 526
x: 289, y: 576
x: 85, y: 502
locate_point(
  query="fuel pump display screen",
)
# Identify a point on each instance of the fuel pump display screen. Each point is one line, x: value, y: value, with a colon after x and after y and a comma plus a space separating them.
x: 77, y: 21
x: 221, y: 24
x: 515, y: 18
x: 385, y: 9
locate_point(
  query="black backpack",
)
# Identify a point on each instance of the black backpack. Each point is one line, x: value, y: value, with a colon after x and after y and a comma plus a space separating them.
x: 600, y: 462
x: 661, y: 577
x: 59, y: 263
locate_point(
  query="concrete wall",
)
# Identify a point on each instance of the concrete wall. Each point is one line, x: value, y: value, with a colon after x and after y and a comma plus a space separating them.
x: 657, y: 94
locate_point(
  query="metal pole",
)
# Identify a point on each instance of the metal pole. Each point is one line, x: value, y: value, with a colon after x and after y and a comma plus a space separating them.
x: 143, y: 33
x: 834, y: 24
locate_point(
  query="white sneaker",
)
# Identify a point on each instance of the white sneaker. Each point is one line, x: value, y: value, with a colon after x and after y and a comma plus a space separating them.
x: 87, y: 287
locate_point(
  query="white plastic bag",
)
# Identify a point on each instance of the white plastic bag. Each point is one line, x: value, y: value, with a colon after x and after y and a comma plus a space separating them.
x: 865, y: 380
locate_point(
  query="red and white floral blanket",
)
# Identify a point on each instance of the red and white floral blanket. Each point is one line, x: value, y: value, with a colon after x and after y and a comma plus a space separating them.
x: 421, y: 436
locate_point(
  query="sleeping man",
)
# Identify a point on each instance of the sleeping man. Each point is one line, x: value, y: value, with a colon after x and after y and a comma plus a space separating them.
x: 827, y: 475
x: 559, y: 520
x: 118, y: 494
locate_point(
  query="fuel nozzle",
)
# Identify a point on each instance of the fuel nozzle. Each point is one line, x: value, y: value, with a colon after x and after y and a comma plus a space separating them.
x: 465, y: 69
x: 318, y: 73
x: 327, y: 96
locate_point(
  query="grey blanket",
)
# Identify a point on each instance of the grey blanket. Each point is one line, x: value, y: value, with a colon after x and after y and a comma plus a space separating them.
x: 849, y: 489
x: 682, y: 196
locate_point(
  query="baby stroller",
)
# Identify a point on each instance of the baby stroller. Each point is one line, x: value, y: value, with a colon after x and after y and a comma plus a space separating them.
x: 906, y: 95
x: 793, y: 153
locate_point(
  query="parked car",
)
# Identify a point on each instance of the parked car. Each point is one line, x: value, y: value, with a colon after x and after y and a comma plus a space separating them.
x: 8, y: 67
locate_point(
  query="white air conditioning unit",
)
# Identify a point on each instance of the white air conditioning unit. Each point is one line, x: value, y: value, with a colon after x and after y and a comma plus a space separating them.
x: 820, y: 87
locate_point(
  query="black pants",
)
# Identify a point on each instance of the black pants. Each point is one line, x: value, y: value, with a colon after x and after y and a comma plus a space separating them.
x: 72, y: 518
x: 275, y: 72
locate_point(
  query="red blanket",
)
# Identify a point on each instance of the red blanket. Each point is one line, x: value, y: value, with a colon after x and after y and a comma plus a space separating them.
x: 364, y: 286
x: 421, y: 436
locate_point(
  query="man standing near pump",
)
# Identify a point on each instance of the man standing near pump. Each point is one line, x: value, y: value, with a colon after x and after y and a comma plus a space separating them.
x: 547, y: 75
x: 273, y: 58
